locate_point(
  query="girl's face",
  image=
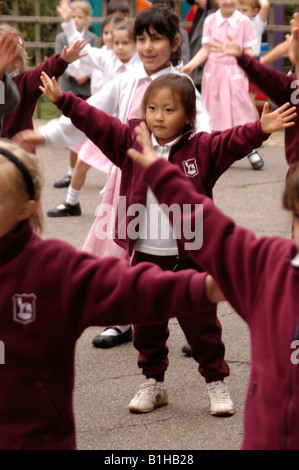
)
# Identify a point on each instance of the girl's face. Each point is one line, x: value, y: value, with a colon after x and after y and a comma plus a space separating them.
x: 165, y: 116
x: 80, y: 19
x: 123, y: 46
x: 154, y: 50
x: 227, y: 7
x: 107, y: 34
x: 11, y: 212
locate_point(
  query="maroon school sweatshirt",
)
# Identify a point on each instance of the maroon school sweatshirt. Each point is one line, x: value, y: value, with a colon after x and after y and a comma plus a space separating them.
x: 49, y: 294
x: 261, y: 284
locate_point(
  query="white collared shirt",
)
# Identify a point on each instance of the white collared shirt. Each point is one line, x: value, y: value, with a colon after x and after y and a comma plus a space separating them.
x: 233, y: 19
x: 295, y: 261
x: 156, y: 235
x: 212, y: 28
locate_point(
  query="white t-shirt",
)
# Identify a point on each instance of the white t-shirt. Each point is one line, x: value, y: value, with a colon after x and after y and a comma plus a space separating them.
x: 258, y: 28
x: 156, y: 235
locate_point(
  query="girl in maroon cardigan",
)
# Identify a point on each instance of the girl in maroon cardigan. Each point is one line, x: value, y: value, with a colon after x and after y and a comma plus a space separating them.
x: 50, y: 293
x: 169, y: 108
x: 260, y: 279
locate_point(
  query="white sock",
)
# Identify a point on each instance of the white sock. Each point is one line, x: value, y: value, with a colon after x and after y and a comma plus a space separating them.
x: 73, y: 196
x: 70, y: 171
x: 162, y: 384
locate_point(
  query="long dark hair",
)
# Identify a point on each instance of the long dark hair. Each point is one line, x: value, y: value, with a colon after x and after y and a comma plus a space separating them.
x: 164, y: 22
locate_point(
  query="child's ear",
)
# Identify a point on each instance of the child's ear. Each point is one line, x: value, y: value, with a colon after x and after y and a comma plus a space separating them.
x: 192, y: 118
x: 27, y: 210
x: 175, y: 43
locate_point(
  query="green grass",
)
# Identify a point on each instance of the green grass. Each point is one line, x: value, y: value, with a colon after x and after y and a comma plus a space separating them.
x: 45, y: 110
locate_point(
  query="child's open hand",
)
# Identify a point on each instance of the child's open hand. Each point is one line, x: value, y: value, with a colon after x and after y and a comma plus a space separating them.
x: 230, y: 47
x: 29, y: 139
x: 8, y: 51
x: 278, y: 119
x: 148, y: 154
x: 74, y: 51
x: 64, y: 10
x: 50, y: 88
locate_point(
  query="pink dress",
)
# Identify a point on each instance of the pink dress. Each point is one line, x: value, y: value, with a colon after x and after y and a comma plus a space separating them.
x: 91, y: 155
x: 95, y: 243
x: 224, y: 84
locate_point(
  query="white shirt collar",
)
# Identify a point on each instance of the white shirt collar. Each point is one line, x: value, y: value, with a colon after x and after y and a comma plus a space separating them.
x: 139, y: 71
x: 295, y: 261
x: 166, y: 146
x: 231, y: 19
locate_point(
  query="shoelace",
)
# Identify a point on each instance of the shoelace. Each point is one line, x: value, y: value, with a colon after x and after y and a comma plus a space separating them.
x: 219, y: 392
x: 145, y: 390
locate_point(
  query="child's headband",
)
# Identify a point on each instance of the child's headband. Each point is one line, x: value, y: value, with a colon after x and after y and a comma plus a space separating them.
x: 22, y: 168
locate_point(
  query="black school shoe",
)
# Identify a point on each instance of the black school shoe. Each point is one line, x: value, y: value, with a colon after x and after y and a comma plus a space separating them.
x: 65, y: 209
x: 256, y: 160
x: 64, y: 182
x: 109, y: 341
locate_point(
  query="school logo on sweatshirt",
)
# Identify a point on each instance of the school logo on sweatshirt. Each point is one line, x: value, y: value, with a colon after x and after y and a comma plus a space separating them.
x: 24, y: 308
x: 190, y: 167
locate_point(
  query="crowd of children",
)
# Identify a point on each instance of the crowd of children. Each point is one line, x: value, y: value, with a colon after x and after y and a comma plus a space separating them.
x: 143, y: 78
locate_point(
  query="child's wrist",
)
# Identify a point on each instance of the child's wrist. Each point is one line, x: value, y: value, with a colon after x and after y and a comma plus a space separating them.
x: 58, y: 98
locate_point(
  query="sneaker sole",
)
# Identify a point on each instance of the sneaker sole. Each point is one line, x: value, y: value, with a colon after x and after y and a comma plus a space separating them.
x: 222, y: 413
x: 63, y: 215
x: 135, y: 410
x: 105, y: 345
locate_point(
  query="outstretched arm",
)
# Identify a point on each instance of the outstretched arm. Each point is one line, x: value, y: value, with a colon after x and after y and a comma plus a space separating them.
x: 64, y: 10
x: 278, y: 51
x: 294, y: 43
x: 197, y: 60
x: 74, y: 52
x: 264, y: 9
x: 105, y: 131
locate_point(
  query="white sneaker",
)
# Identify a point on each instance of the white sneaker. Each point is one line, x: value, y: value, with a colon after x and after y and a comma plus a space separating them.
x: 149, y: 396
x: 220, y: 401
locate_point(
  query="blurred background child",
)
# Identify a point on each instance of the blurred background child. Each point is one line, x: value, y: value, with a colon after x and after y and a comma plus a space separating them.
x: 224, y: 85
x: 9, y: 95
x: 80, y: 84
x: 257, y: 11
